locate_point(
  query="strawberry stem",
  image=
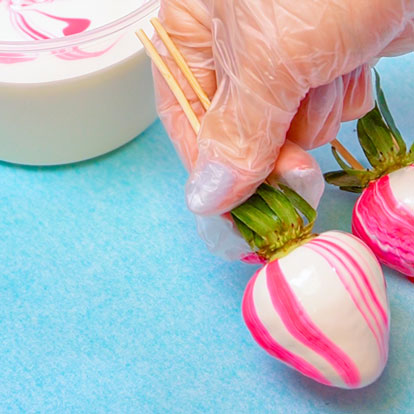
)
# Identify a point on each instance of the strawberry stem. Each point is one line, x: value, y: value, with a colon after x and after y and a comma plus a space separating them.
x: 382, y: 144
x: 275, y: 220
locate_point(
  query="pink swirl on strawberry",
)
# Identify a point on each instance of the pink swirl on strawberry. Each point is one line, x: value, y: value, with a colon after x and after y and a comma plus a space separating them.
x: 385, y: 223
x: 384, y: 214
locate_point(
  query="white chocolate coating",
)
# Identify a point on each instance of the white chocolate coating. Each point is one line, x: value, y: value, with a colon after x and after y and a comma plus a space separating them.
x: 402, y: 186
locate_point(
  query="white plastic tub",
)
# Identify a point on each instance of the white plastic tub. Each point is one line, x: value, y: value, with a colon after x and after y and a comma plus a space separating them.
x: 72, y: 98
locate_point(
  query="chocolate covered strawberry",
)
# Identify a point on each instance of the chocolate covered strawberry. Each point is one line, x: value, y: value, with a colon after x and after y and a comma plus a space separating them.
x: 319, y: 304
x: 384, y: 214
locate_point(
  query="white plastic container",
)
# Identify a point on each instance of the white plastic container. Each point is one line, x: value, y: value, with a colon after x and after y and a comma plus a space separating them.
x: 72, y: 98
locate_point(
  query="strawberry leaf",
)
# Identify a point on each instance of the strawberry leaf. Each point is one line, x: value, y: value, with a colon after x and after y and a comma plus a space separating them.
x: 280, y: 205
x: 352, y: 189
x: 340, y: 160
x: 258, y: 202
x: 382, y: 144
x: 379, y: 133
x: 246, y: 233
x: 349, y: 170
x: 343, y: 179
x: 383, y: 106
x: 259, y: 242
x: 369, y: 148
x: 255, y: 219
x: 272, y: 221
x: 411, y: 154
x: 300, y: 203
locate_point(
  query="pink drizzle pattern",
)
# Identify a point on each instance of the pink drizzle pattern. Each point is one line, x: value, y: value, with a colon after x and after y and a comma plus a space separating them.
x: 369, y: 307
x: 300, y: 325
x: 386, y: 226
x: 265, y: 340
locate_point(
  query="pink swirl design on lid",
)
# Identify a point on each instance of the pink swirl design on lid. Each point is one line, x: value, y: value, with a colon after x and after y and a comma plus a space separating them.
x: 73, y: 25
x: 19, y: 13
x: 10, y: 58
x: 386, y: 225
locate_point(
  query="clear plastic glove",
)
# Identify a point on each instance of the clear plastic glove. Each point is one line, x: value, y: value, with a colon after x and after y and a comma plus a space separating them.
x: 295, y: 168
x: 275, y: 70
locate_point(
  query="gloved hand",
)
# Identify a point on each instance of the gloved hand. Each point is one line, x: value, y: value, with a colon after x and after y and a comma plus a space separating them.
x: 295, y: 168
x: 275, y: 69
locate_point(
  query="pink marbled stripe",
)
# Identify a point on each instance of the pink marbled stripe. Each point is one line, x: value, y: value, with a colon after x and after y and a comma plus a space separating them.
x: 370, y: 253
x: 266, y: 341
x: 355, y: 267
x: 386, y: 225
x: 326, y: 250
x: 301, y: 327
x: 359, y: 265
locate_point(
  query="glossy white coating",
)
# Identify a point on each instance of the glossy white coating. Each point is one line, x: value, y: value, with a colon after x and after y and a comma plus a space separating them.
x: 402, y: 186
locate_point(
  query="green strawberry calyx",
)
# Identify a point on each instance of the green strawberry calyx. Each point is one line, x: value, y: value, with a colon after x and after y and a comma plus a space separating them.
x: 274, y: 221
x: 383, y: 146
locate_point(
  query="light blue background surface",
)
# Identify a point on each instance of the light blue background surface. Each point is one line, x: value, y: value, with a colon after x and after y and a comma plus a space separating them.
x: 110, y: 303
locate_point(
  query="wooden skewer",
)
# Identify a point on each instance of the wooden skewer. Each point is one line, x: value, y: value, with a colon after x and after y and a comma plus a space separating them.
x: 170, y: 79
x: 181, y: 63
x: 195, y: 85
